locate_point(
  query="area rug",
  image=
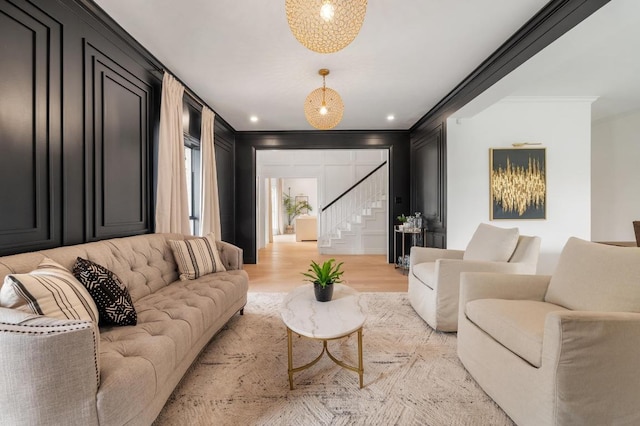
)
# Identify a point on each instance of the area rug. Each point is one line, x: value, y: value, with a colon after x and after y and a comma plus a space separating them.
x: 412, y: 375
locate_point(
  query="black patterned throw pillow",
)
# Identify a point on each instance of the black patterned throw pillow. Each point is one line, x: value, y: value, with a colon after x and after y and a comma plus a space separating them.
x: 110, y: 295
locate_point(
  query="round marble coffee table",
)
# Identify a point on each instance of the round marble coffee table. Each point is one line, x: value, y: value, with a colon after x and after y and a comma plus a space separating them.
x: 341, y: 317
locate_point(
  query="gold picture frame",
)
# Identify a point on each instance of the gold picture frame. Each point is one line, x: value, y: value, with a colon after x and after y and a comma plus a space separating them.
x: 518, y: 183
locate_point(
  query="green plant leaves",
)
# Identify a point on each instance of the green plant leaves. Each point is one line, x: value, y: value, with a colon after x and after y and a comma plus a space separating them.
x: 328, y: 273
x: 293, y: 207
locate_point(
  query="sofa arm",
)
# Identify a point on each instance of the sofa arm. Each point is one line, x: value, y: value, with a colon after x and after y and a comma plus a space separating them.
x: 49, y: 372
x: 446, y: 281
x: 230, y: 255
x: 593, y: 357
x: 485, y: 285
x: 430, y: 254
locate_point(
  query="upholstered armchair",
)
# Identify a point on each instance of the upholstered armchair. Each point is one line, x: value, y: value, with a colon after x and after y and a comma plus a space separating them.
x: 434, y: 274
x: 561, y: 349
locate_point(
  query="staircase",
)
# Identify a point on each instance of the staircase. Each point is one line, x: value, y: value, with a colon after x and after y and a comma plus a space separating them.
x: 356, y: 221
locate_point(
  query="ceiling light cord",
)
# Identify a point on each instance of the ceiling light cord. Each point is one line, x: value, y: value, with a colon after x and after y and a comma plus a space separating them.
x: 323, y: 107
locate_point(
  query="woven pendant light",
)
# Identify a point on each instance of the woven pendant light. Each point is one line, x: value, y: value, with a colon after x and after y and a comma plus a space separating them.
x: 323, y: 107
x: 325, y: 26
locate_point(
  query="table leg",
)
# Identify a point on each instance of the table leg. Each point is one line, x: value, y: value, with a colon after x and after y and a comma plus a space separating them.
x: 403, y: 267
x: 325, y: 348
x: 360, y: 363
x: 395, y: 244
x: 290, y: 347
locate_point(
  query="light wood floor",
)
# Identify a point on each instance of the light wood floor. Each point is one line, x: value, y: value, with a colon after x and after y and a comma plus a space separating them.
x: 280, y: 265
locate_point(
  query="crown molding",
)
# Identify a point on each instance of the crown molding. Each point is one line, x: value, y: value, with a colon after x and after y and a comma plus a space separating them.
x: 552, y: 21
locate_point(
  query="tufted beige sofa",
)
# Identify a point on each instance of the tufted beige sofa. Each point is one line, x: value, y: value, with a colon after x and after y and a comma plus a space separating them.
x: 66, y: 372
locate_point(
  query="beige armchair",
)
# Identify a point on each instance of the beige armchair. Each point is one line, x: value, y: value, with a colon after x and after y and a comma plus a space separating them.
x: 434, y: 274
x: 562, y: 349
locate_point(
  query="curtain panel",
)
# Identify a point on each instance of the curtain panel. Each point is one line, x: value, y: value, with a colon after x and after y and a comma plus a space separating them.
x: 209, y: 201
x: 172, y: 209
x: 279, y: 189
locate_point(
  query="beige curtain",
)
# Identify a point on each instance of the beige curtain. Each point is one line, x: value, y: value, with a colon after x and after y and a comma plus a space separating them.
x: 172, y: 209
x: 280, y: 209
x: 209, y: 202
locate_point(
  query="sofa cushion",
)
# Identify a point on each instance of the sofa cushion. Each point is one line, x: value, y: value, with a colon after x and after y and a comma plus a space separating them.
x: 490, y: 243
x: 425, y: 272
x: 197, y: 257
x: 518, y: 325
x: 49, y: 290
x: 596, y: 277
x: 110, y: 295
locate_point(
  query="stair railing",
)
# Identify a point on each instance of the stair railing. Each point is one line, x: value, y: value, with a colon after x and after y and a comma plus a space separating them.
x: 355, y: 201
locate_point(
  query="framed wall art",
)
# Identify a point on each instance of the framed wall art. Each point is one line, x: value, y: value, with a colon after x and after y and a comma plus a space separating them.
x: 518, y: 183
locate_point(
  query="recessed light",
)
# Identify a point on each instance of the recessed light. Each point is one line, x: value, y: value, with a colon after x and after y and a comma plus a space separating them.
x: 253, y: 119
x: 391, y: 117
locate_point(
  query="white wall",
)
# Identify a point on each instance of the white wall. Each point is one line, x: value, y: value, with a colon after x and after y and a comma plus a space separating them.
x: 302, y: 186
x: 336, y: 170
x: 615, y: 177
x: 563, y: 126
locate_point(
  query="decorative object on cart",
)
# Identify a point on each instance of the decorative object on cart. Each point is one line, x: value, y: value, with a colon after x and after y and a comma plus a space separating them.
x: 403, y: 262
x: 518, y: 183
x: 325, y: 26
x: 402, y: 219
x: 323, y: 277
x: 410, y: 222
x: 418, y: 223
x: 417, y: 220
x: 294, y: 207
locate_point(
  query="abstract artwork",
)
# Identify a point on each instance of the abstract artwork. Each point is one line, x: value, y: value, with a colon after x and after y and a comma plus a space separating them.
x: 518, y: 183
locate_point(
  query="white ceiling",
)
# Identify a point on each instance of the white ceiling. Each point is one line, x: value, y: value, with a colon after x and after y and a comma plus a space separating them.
x: 598, y: 58
x: 241, y: 58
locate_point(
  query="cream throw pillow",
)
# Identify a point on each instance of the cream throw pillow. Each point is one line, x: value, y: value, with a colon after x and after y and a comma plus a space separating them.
x: 49, y: 290
x: 196, y: 257
x: 490, y: 243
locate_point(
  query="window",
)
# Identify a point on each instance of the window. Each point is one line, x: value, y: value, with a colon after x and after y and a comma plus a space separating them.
x: 191, y: 127
x: 192, y: 169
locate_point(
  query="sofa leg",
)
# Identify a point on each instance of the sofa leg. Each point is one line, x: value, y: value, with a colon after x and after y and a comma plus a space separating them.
x: 241, y: 311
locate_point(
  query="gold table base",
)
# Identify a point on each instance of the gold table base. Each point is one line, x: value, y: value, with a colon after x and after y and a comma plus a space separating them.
x: 359, y: 369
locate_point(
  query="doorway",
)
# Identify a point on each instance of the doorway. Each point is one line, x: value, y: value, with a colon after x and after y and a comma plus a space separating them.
x: 287, y: 210
x: 317, y: 177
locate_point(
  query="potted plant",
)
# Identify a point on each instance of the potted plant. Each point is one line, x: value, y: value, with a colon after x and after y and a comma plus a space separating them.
x: 323, y: 277
x: 402, y: 219
x: 293, y: 208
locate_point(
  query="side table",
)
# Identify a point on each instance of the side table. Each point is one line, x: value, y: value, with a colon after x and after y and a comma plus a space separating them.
x: 397, y: 230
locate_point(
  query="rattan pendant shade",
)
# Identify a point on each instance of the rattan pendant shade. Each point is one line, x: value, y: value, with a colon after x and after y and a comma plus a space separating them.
x: 323, y: 107
x: 325, y: 26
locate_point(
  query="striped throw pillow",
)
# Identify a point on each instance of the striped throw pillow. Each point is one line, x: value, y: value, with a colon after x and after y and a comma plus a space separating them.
x: 49, y: 290
x: 196, y: 257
